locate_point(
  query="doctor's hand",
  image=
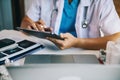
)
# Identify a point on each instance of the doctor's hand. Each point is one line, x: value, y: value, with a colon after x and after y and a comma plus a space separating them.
x: 42, y: 26
x: 68, y: 42
x: 27, y: 23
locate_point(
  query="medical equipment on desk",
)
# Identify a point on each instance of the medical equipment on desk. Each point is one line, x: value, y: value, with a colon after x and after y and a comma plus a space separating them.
x: 13, y: 51
x: 85, y: 15
x: 102, y: 56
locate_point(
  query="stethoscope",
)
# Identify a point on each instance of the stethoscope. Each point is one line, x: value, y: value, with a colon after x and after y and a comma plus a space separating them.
x: 54, y: 11
x: 85, y: 17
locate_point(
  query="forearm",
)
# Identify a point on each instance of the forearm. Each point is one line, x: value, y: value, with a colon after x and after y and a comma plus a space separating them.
x: 95, y: 43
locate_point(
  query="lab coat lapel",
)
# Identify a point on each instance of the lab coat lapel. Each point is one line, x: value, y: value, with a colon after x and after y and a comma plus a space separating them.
x: 81, y: 33
x: 60, y: 5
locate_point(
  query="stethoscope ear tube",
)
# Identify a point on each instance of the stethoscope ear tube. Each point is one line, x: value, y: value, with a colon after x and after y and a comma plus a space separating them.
x: 54, y: 11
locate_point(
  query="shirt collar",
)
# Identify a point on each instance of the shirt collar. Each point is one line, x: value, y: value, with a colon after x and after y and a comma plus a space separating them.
x: 73, y: 4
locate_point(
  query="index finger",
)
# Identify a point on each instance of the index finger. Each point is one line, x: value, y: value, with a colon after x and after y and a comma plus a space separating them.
x: 34, y: 26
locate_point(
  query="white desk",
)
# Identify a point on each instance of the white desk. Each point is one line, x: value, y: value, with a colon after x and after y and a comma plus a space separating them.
x: 60, y: 71
x: 84, y: 71
x: 50, y: 48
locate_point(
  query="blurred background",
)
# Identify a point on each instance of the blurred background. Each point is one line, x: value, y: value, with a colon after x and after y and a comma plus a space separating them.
x: 12, y: 12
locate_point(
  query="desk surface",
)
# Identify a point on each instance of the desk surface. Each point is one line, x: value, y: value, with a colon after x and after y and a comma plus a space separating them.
x: 58, y: 71
x: 50, y: 48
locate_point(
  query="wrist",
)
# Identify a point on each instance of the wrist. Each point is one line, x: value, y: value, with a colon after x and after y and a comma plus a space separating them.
x: 78, y: 42
x: 75, y: 42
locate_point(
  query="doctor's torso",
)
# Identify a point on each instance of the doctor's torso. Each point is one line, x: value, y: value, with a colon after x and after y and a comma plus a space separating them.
x: 51, y: 12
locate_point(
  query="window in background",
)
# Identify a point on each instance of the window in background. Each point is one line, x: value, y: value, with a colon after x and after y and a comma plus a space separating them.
x: 6, y: 20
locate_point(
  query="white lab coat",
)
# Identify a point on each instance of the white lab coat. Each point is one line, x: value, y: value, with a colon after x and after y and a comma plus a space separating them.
x: 102, y: 16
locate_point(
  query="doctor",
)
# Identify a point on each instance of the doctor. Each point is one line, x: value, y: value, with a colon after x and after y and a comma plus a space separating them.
x: 80, y: 22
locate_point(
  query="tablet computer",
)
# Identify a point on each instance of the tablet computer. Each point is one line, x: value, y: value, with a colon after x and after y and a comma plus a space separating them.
x: 40, y: 34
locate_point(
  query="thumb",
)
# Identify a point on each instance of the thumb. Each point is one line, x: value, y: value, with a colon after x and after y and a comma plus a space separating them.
x: 63, y: 35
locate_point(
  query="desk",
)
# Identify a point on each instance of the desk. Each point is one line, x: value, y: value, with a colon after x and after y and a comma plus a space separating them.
x: 58, y: 71
x: 50, y: 48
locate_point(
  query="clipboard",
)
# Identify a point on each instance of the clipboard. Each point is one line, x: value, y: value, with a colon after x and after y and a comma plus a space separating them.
x: 40, y: 34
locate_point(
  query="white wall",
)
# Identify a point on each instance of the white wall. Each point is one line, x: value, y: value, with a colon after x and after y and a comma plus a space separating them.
x: 27, y: 4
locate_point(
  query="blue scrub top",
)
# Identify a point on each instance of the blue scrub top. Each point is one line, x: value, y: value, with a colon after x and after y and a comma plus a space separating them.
x: 69, y: 17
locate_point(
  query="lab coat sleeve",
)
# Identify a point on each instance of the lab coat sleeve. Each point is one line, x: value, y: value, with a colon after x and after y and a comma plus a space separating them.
x: 109, y: 19
x: 34, y: 10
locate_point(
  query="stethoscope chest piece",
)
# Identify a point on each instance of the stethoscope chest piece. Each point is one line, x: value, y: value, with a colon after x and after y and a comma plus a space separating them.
x: 85, y: 21
x: 85, y: 24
